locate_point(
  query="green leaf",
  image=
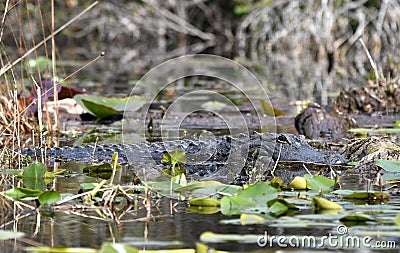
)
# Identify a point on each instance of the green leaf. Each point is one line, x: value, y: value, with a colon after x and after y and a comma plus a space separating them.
x: 366, y: 195
x: 319, y: 183
x: 117, y: 248
x: 34, y: 184
x: 60, y: 250
x: 247, y: 219
x: 88, y: 186
x: 298, y: 183
x: 388, y: 165
x: 47, y: 198
x: 397, y: 124
x: 211, y: 237
x: 19, y: 193
x: 204, y: 202
x: 198, y: 185
x: 231, y: 205
x: 174, y: 157
x: 356, y: 217
x: 40, y: 62
x: 270, y: 110
x: 203, y: 209
x: 102, y: 107
x: 321, y: 204
x: 35, y: 170
x: 260, y: 193
x: 213, y: 106
x: 397, y: 220
x: 6, y: 235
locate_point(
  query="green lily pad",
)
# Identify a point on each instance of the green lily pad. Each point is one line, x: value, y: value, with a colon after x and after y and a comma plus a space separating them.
x: 356, y: 217
x: 203, y: 209
x: 367, y: 195
x: 174, y: 157
x: 247, y: 219
x: 319, y: 183
x: 103, y: 107
x: 35, y: 170
x: 204, y: 202
x: 198, y: 185
x: 270, y: 110
x: 397, y: 220
x: 20, y: 193
x: 298, y: 183
x: 389, y: 165
x: 211, y: 237
x: 213, y: 106
x: 231, y: 205
x: 60, y: 250
x: 260, y: 193
x: 116, y: 248
x: 321, y: 204
x: 6, y: 234
x: 48, y: 198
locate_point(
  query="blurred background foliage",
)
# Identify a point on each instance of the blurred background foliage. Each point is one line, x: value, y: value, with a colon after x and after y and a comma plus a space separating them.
x: 298, y: 48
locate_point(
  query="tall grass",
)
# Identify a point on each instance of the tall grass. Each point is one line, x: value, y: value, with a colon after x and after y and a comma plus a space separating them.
x: 25, y: 25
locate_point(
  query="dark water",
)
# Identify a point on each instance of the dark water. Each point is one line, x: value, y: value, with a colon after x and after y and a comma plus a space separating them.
x: 167, y: 225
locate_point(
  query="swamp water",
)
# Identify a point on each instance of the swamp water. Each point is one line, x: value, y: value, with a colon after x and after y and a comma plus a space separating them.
x: 169, y: 224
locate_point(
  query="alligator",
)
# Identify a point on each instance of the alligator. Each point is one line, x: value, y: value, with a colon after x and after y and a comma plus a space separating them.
x: 222, y: 158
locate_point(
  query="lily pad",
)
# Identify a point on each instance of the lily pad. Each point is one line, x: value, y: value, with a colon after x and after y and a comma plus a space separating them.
x: 397, y: 220
x: 204, y: 202
x: 60, y: 250
x: 367, y: 195
x: 48, y: 198
x: 270, y: 110
x: 213, y: 106
x: 389, y: 165
x: 203, y: 209
x: 35, y: 170
x: 321, y: 203
x: 319, y: 183
x: 20, y: 193
x: 247, y: 219
x: 298, y: 183
x: 211, y: 237
x: 103, y: 107
x: 6, y: 234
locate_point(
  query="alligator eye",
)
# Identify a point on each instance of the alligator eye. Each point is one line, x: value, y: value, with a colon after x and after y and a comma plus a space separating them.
x: 282, y: 139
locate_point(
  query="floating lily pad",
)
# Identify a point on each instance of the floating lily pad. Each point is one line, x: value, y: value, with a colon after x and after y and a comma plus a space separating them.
x: 6, y: 234
x: 211, y: 237
x: 367, y: 195
x: 204, y: 202
x: 116, y: 248
x: 35, y: 170
x: 247, y: 219
x: 298, y: 183
x: 397, y: 220
x: 319, y: 183
x: 20, y: 193
x: 203, y: 209
x: 48, y: 198
x: 389, y: 165
x: 214, y: 106
x: 103, y: 107
x: 321, y: 204
x: 270, y: 110
x: 60, y: 250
